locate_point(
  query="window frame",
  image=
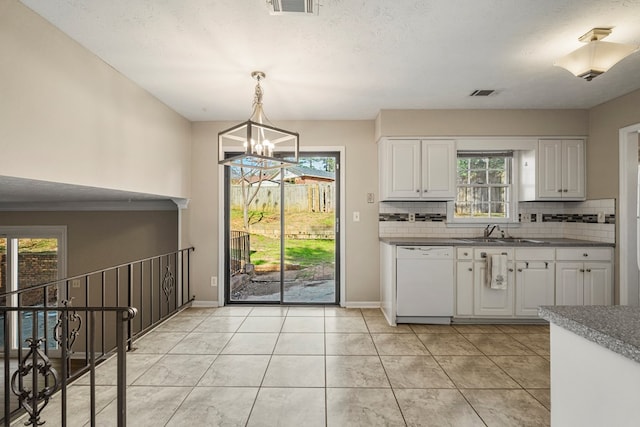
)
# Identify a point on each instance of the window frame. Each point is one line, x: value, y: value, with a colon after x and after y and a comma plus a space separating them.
x: 512, y: 204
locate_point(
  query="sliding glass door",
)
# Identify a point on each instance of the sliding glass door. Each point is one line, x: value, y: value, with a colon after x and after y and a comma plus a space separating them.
x: 30, y: 257
x: 282, y: 233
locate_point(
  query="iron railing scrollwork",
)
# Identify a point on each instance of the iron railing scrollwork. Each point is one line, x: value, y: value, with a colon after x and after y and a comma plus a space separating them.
x: 142, y: 294
x: 67, y: 317
x: 37, y: 365
x: 168, y: 283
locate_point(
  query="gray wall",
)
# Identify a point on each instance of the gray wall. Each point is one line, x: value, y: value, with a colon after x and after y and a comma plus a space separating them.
x: 97, y: 240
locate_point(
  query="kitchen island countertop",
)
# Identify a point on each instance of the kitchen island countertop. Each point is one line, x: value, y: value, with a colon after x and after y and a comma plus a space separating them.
x: 613, y: 327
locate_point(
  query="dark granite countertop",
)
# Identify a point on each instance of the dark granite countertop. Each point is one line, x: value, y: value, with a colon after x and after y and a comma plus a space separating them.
x: 472, y: 241
x: 614, y: 327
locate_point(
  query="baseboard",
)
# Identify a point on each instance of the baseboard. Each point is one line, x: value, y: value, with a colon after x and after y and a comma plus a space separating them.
x: 362, y: 304
x: 205, y: 304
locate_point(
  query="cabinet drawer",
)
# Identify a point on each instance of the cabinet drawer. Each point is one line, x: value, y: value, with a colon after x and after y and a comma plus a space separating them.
x: 464, y: 253
x: 534, y: 254
x: 479, y: 254
x: 583, y: 254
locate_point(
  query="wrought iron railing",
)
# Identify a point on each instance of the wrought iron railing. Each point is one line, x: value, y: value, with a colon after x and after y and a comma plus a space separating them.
x: 73, y: 338
x: 36, y: 380
x: 239, y: 251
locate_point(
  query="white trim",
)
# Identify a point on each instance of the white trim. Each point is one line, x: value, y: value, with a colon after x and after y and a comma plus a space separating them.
x: 362, y: 304
x: 497, y: 143
x: 627, y: 211
x: 181, y: 203
x: 58, y: 232
x: 134, y: 205
x: 514, y: 203
x: 342, y: 220
x: 204, y: 304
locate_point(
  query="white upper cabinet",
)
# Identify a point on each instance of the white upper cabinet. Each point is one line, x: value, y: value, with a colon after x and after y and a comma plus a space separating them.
x: 414, y: 169
x: 561, y: 169
x: 556, y: 171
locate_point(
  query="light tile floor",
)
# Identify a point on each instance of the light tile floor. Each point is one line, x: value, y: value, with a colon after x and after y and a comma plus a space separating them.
x: 324, y: 366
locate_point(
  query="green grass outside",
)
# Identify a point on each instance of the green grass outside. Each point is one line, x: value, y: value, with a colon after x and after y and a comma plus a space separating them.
x: 266, y: 250
x: 32, y: 245
x: 303, y: 252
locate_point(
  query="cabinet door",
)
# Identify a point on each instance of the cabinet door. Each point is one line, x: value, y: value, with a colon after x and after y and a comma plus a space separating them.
x: 464, y: 288
x: 438, y: 169
x: 573, y: 169
x: 569, y: 283
x: 535, y: 286
x: 597, y: 283
x: 400, y: 169
x: 549, y: 168
x: 492, y: 302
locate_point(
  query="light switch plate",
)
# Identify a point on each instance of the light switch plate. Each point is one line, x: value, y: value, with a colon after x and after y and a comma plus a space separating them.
x: 601, y: 217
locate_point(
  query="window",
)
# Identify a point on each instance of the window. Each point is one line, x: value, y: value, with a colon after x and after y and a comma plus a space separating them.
x: 483, y: 187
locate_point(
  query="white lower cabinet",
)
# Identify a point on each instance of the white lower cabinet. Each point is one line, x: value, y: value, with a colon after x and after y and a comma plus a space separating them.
x: 535, y: 286
x: 569, y: 283
x: 464, y: 288
x: 598, y: 286
x: 474, y: 296
x: 536, y: 276
x: 584, y: 276
x: 488, y: 301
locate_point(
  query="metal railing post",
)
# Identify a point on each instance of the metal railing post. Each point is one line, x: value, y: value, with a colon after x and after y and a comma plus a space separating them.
x: 122, y: 369
x: 64, y: 344
x: 7, y: 372
x: 92, y: 363
x: 129, y: 304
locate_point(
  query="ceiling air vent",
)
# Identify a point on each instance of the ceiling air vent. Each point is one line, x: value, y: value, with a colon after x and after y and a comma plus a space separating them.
x: 282, y: 7
x: 482, y: 92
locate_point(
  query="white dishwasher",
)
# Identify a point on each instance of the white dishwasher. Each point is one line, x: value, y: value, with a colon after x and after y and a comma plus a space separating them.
x: 424, y: 284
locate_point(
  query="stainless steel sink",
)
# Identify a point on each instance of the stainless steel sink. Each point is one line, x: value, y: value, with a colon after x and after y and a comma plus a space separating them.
x: 480, y: 240
x: 519, y: 240
x: 501, y: 241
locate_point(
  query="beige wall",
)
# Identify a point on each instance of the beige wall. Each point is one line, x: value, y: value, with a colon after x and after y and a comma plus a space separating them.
x: 605, y: 121
x: 603, y: 163
x: 360, y: 165
x: 482, y: 123
x: 66, y: 116
x: 97, y: 240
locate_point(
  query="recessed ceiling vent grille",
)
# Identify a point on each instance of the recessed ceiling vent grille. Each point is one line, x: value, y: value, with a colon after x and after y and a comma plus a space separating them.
x: 298, y: 7
x: 482, y: 92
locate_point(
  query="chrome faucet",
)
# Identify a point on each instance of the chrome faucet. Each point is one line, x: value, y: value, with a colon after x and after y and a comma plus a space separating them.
x: 489, y: 229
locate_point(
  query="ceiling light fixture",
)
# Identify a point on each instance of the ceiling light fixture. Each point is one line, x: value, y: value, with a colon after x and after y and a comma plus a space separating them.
x: 596, y: 57
x: 256, y: 143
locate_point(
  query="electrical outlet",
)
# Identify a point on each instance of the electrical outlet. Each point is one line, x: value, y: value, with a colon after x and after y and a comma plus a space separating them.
x: 525, y: 217
x: 412, y: 217
x: 601, y: 217
x: 370, y: 198
x: 356, y: 217
x: 76, y: 283
x: 214, y: 281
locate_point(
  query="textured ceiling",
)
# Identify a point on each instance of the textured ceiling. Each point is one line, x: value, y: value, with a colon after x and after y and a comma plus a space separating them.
x: 355, y: 57
x: 352, y: 59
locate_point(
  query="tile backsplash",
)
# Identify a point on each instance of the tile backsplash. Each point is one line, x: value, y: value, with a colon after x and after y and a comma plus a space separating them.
x: 589, y: 220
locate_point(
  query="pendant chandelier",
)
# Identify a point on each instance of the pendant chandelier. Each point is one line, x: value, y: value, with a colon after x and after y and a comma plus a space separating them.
x: 256, y: 143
